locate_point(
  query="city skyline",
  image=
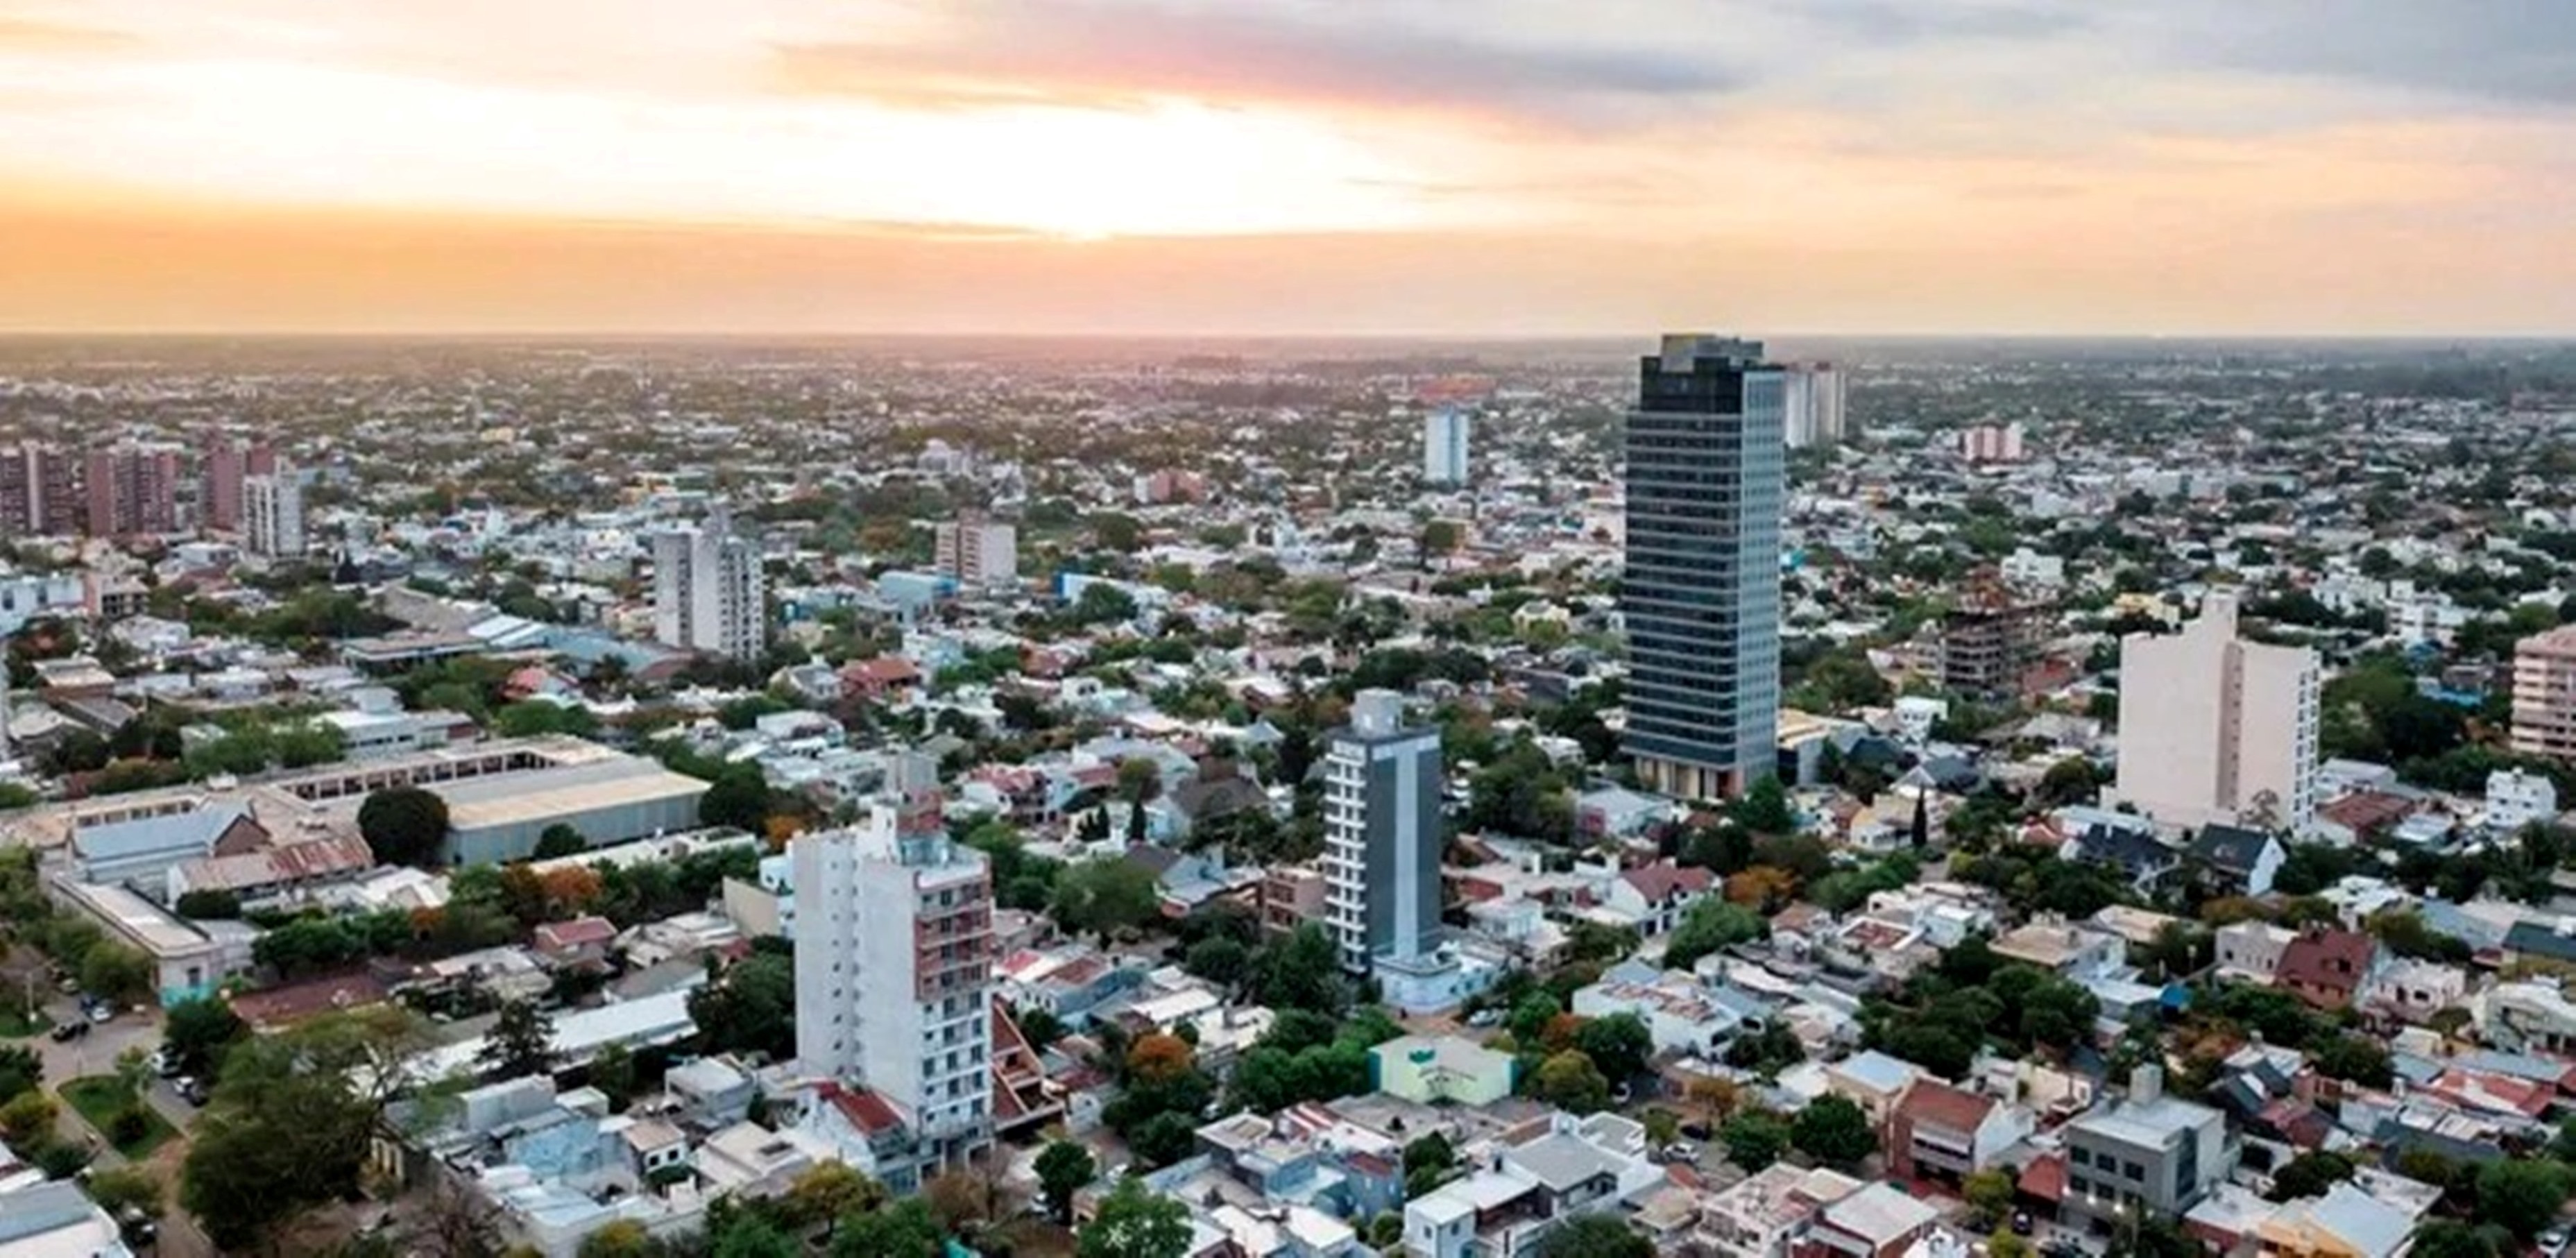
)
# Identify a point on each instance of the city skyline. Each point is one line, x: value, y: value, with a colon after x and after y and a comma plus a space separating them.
x: 1977, y: 166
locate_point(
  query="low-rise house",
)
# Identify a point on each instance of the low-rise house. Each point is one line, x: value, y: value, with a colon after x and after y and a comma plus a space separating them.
x: 55, y: 1219
x: 1879, y: 1221
x: 1653, y: 898
x: 2063, y: 948
x: 286, y: 872
x: 1762, y: 1214
x: 2144, y: 1150
x: 1681, y: 1014
x: 2235, y: 860
x: 1941, y: 1132
x: 1504, y: 1205
x: 2345, y: 1223
x: 189, y: 959
x: 1872, y: 1080
x: 2328, y: 968
x: 1445, y: 1069
x: 2412, y: 991
x: 2251, y: 950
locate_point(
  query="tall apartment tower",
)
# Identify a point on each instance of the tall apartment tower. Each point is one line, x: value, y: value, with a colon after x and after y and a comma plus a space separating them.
x: 1701, y: 596
x: 1382, y: 835
x: 2544, y: 695
x: 227, y: 464
x: 2214, y: 729
x: 979, y: 552
x: 38, y: 494
x: 1811, y: 406
x: 272, y: 514
x: 894, y: 969
x: 1444, y: 446
x: 709, y: 592
x: 133, y: 491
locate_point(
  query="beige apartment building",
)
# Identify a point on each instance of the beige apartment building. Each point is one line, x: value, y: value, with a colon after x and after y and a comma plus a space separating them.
x: 2216, y: 729
x: 2544, y: 695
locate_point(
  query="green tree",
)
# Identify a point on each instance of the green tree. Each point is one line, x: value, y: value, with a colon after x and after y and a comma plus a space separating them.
x: 28, y: 1119
x: 520, y: 1044
x: 1300, y: 970
x: 1133, y: 1222
x: 749, y: 1235
x: 560, y: 840
x: 291, y: 1124
x: 2310, y: 1174
x: 117, y: 972
x: 1594, y: 1236
x: 1427, y: 1161
x: 127, y: 1187
x: 403, y: 825
x: 213, y: 905
x: 1834, y: 1129
x: 1063, y: 1169
x: 738, y: 797
x: 1990, y: 1194
x: 1619, y: 1044
x: 199, y: 1032
x: 2451, y: 1238
x: 1764, y: 809
x: 1571, y: 1082
x: 624, y: 1238
x: 21, y: 1070
x: 751, y: 1009
x: 2522, y: 1196
x: 1712, y: 925
x: 1106, y: 895
x: 1221, y: 961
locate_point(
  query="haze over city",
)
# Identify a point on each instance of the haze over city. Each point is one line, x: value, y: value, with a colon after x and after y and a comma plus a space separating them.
x: 1267, y: 166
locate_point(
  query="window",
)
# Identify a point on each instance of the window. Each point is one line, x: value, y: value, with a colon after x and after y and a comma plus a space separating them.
x: 2081, y: 1156
x: 2134, y: 1171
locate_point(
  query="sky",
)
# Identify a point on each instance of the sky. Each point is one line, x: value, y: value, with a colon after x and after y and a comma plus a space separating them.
x: 1456, y: 167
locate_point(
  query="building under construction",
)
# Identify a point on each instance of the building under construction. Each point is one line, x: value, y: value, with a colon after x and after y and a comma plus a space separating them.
x: 1990, y: 641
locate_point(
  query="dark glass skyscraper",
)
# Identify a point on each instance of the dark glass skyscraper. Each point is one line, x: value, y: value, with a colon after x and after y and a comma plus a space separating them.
x: 1701, y: 598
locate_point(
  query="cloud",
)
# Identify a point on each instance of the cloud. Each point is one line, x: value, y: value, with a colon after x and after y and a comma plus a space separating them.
x: 25, y: 34
x: 2514, y: 52
x: 1107, y: 54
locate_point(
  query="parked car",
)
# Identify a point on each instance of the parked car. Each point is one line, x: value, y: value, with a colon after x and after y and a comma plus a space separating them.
x: 101, y: 1013
x: 70, y: 1031
x: 2022, y: 1224
x: 194, y: 1091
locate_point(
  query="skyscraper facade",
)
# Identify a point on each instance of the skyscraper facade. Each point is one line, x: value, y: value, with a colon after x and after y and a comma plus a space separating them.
x: 1444, y: 446
x: 1701, y: 596
x: 228, y: 462
x: 1382, y: 835
x: 272, y: 514
x: 894, y: 969
x: 133, y: 492
x: 709, y: 592
x: 2217, y: 729
x: 38, y: 492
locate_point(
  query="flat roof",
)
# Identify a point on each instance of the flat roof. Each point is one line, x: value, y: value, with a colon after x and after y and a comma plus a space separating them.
x: 139, y: 919
x: 543, y: 794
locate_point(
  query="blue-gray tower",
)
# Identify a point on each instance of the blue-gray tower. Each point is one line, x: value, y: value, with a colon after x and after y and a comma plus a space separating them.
x: 1701, y: 598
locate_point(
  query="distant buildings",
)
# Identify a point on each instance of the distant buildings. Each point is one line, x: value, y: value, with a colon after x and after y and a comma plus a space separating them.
x: 709, y: 593
x: 978, y: 552
x: 894, y: 970
x: 1444, y: 446
x: 1702, y: 592
x: 1991, y: 638
x: 272, y: 514
x: 133, y: 491
x: 37, y: 496
x: 1992, y: 443
x: 1382, y: 834
x: 2544, y: 695
x: 1811, y: 405
x: 229, y: 463
x: 2214, y: 729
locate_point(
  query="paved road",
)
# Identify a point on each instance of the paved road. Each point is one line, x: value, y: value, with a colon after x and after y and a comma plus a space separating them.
x: 96, y: 1054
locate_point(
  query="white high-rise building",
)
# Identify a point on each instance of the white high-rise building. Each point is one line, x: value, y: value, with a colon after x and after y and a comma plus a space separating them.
x: 1444, y: 446
x: 2214, y: 729
x: 709, y: 593
x: 894, y: 970
x: 1382, y: 835
x: 272, y: 514
x: 978, y: 552
x: 1811, y: 405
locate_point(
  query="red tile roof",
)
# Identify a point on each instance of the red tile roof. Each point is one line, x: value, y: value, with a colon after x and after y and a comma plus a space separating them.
x: 2045, y: 1177
x: 580, y: 931
x: 1934, y: 1102
x: 2333, y: 960
x: 868, y: 1112
x: 1661, y: 882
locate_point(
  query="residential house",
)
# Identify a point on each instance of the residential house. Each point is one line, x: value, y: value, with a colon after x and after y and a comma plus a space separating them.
x: 2412, y: 991
x: 2327, y: 968
x: 2122, y: 843
x: 1441, y: 1069
x: 1879, y: 1221
x: 1761, y: 1215
x: 1941, y: 1132
x: 2064, y: 948
x: 2251, y: 950
x: 2347, y: 1222
x: 2235, y: 860
x: 1872, y: 1080
x: 1654, y: 897
x: 2144, y: 1150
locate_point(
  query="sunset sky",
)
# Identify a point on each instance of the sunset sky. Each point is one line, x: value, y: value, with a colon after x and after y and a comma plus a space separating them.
x: 1319, y: 166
